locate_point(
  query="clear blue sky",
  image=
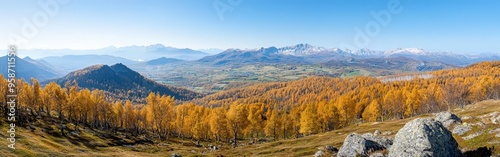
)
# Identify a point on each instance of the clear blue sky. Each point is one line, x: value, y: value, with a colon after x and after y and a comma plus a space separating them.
x: 446, y: 25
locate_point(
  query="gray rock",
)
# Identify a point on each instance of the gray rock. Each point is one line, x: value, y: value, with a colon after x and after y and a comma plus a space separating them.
x: 448, y: 118
x: 319, y: 153
x: 424, y: 137
x: 383, y: 141
x: 355, y: 144
x: 331, y: 149
x: 461, y: 129
x: 378, y: 154
x: 377, y: 132
x: 386, y: 133
x: 466, y: 117
x: 175, y: 155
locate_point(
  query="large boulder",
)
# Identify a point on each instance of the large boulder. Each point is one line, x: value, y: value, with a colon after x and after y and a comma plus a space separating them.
x: 355, y: 144
x: 424, y: 137
x: 381, y: 140
x: 448, y: 118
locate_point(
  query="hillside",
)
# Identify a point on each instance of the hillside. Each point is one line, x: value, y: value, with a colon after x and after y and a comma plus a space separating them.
x: 28, y: 70
x: 45, y: 141
x: 122, y: 82
x: 312, y: 89
x: 478, y: 113
x: 260, y: 113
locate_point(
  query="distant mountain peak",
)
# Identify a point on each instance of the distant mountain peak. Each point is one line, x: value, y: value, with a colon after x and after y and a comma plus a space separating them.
x: 158, y: 45
x: 415, y: 51
x: 28, y: 58
x: 302, y: 50
x: 163, y: 61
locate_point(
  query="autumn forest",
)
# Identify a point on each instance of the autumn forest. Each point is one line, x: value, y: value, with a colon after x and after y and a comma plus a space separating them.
x: 269, y: 111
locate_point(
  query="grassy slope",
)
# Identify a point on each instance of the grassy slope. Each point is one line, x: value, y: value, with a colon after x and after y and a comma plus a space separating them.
x: 307, y: 146
x: 88, y: 143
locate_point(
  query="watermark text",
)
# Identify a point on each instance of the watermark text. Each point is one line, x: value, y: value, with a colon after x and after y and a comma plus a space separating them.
x: 11, y: 95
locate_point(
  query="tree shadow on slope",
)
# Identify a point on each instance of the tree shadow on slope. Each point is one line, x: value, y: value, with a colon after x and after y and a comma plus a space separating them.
x: 480, y: 152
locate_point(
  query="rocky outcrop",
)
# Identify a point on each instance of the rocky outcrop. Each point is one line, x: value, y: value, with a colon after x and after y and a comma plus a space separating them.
x: 493, y: 117
x: 381, y: 140
x: 319, y: 153
x: 461, y: 129
x: 448, y: 118
x: 425, y: 137
x: 327, y: 151
x: 363, y: 145
x: 331, y: 149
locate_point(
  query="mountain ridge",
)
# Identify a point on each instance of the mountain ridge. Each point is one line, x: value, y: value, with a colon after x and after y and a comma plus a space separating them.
x: 306, y: 54
x: 122, y: 82
x: 27, y: 70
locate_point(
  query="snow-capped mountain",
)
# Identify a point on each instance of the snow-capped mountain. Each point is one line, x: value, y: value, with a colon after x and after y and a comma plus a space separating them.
x: 419, y: 52
x: 424, y: 55
x: 366, y: 52
x: 301, y: 50
x: 305, y: 53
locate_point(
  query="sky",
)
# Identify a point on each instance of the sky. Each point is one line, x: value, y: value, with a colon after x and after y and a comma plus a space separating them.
x: 462, y: 26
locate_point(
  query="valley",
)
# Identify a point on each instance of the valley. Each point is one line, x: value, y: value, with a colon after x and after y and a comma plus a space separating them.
x: 205, y: 79
x: 112, y: 110
x: 250, y: 78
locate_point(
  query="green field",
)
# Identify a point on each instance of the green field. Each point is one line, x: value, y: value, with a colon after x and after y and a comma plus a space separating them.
x: 210, y: 79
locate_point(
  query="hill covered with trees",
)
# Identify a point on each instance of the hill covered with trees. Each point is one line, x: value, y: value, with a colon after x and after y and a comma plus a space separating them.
x: 121, y: 83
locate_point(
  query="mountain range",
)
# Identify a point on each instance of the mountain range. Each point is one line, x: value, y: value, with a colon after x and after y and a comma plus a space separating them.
x: 134, y: 52
x: 238, y: 57
x: 121, y: 82
x: 27, y: 69
x: 401, y: 58
x: 306, y: 54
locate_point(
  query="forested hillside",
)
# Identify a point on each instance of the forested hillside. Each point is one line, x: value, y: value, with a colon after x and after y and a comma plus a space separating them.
x: 269, y: 111
x: 121, y: 83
